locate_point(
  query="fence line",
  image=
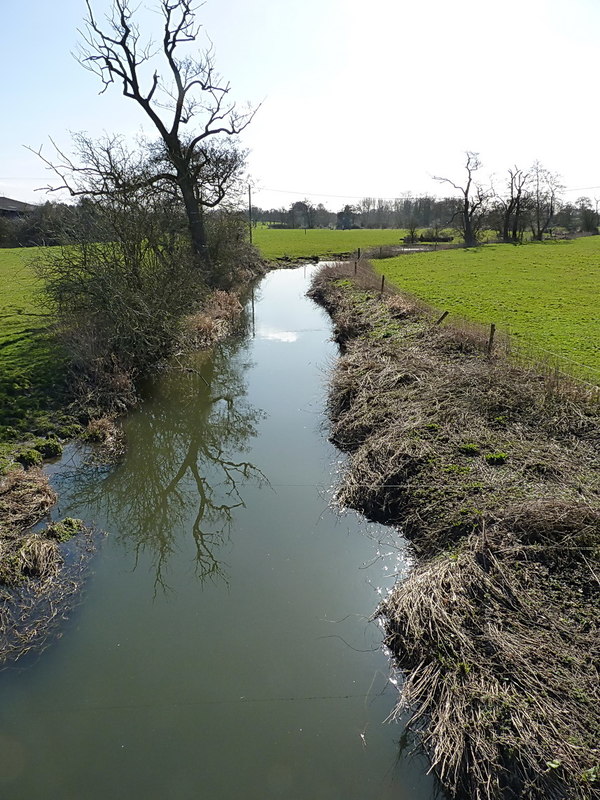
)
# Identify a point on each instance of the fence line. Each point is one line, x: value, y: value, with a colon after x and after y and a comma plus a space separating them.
x: 516, y: 347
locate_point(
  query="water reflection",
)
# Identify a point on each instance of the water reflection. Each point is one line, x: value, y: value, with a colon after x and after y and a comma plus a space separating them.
x: 184, y: 469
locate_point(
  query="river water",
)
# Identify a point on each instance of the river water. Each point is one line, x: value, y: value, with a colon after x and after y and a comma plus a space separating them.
x: 223, y: 648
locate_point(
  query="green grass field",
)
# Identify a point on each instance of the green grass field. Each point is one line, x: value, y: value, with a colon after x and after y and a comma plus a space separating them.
x: 29, y: 367
x: 545, y: 294
x: 297, y: 244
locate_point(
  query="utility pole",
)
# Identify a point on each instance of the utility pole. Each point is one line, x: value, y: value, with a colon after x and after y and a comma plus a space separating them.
x: 250, y: 211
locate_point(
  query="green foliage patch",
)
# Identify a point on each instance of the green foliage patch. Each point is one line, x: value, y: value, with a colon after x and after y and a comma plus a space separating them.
x: 545, y: 294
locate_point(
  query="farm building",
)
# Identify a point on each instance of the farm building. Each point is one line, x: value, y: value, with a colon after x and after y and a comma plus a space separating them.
x: 13, y: 208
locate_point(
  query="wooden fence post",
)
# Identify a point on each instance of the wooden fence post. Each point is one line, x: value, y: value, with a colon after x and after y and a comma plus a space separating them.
x: 382, y: 284
x: 490, y: 343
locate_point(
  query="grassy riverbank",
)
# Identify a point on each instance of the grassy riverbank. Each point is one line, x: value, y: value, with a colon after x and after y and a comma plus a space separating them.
x: 31, y: 366
x: 491, y: 471
x: 545, y: 294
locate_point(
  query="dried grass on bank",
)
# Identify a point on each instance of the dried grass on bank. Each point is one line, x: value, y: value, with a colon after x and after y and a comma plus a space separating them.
x: 25, y: 498
x: 41, y: 589
x: 492, y: 471
x: 500, y: 645
x: 37, y: 589
x: 217, y: 320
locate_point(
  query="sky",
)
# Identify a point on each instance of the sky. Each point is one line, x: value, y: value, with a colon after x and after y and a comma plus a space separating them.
x: 358, y: 98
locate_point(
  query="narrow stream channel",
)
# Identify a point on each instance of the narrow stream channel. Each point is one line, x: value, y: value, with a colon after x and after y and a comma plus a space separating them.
x: 223, y: 648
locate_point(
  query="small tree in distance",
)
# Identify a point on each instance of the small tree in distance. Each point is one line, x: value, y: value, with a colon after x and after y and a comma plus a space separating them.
x: 472, y: 210
x: 544, y: 197
x: 511, y: 204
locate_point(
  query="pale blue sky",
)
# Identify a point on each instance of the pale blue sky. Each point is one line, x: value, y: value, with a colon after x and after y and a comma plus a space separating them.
x: 359, y: 98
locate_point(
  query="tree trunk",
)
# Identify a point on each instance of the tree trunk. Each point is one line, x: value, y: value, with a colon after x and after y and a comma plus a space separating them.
x: 511, y: 207
x: 516, y: 220
x: 506, y: 225
x: 196, y: 227
x: 469, y: 235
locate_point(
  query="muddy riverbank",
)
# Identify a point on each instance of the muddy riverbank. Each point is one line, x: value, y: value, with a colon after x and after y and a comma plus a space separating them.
x: 491, y: 471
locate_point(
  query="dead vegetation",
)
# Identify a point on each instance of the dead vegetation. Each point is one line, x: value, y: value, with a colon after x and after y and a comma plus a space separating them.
x: 216, y: 321
x: 36, y: 587
x: 108, y: 438
x: 40, y: 584
x: 490, y: 469
x: 25, y: 498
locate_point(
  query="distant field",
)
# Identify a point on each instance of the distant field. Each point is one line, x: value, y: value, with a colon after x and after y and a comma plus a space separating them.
x: 27, y: 364
x: 547, y: 294
x: 274, y: 243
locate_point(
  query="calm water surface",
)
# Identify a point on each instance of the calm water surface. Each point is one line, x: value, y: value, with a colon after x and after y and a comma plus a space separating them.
x: 223, y: 648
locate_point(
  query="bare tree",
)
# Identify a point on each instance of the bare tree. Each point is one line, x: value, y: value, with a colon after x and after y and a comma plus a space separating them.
x: 188, y: 104
x: 544, y: 198
x: 511, y: 204
x: 412, y: 227
x: 587, y: 214
x: 474, y: 201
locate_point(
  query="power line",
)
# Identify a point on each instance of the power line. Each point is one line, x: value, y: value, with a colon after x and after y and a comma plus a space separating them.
x: 582, y: 189
x: 326, y: 194
x: 401, y: 196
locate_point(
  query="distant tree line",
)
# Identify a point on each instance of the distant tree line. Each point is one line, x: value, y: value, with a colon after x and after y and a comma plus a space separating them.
x: 44, y: 224
x: 521, y: 203
x: 370, y: 212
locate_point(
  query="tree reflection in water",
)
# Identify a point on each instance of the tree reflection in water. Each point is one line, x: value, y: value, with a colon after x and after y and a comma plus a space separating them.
x: 184, y: 466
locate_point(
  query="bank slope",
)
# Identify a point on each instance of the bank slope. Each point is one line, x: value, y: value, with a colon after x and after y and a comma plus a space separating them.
x: 491, y: 471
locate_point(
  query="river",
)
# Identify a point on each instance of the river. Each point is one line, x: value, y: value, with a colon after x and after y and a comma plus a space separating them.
x: 223, y: 648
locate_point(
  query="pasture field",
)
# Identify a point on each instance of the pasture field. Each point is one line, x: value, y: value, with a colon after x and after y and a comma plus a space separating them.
x: 297, y: 244
x: 29, y: 367
x: 545, y: 294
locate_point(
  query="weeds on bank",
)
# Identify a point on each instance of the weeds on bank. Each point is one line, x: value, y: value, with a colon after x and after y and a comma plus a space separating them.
x: 492, y: 471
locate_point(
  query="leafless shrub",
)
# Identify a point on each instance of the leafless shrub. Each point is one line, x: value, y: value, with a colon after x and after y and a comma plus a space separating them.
x: 118, y: 293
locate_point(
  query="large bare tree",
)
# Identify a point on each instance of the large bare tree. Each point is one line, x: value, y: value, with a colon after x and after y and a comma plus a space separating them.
x: 471, y: 212
x: 184, y: 98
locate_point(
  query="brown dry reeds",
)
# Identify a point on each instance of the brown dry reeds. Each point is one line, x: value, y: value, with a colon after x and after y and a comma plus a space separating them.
x: 108, y: 437
x: 220, y: 312
x: 25, y: 497
x: 36, y: 590
x: 491, y: 469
